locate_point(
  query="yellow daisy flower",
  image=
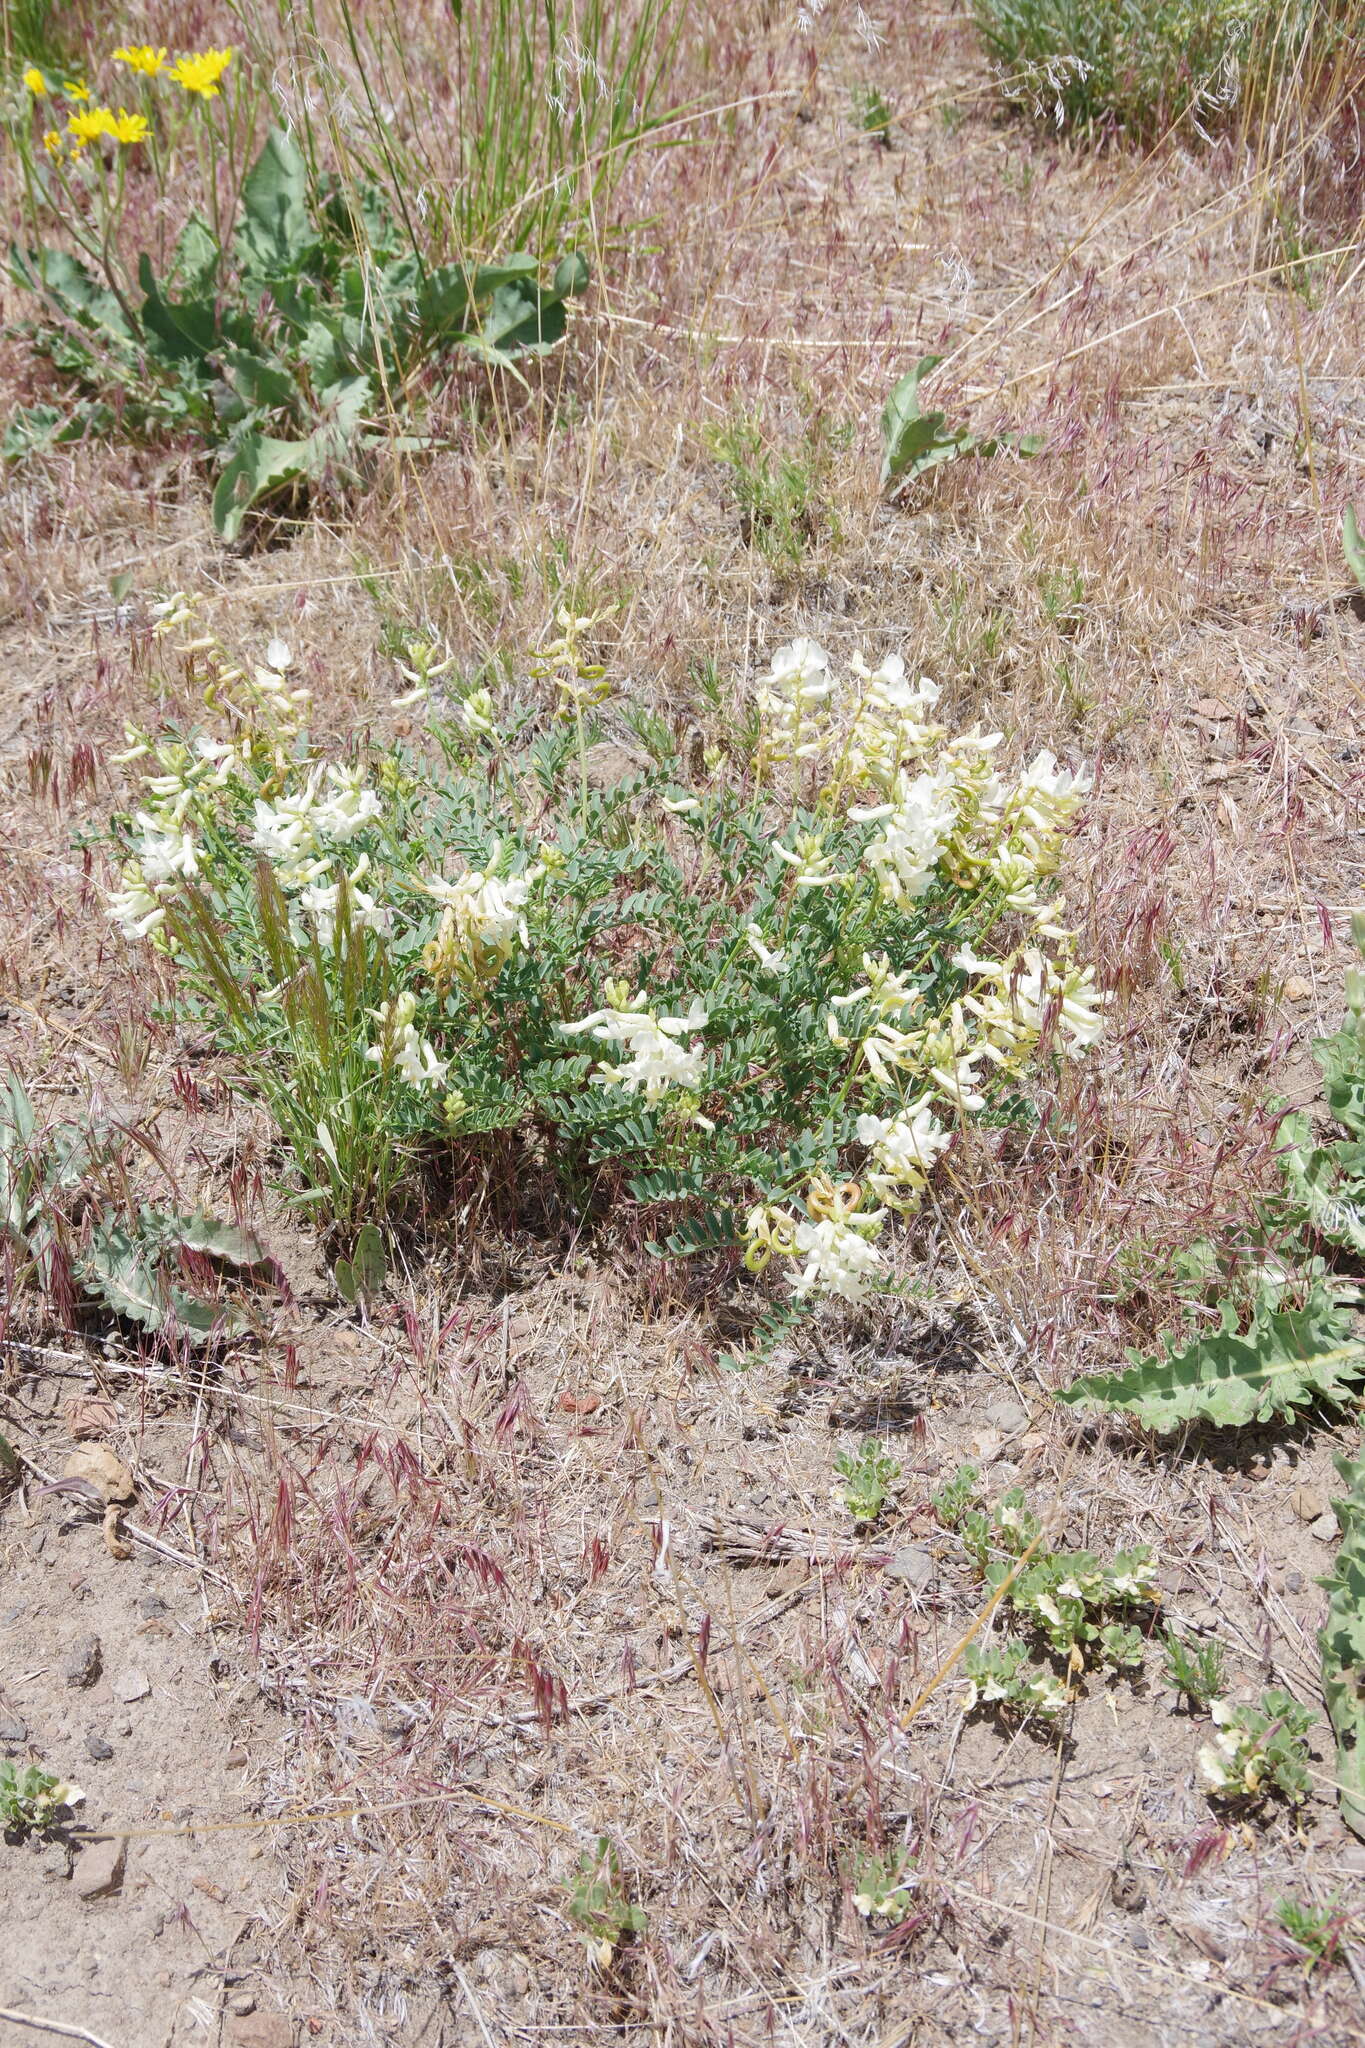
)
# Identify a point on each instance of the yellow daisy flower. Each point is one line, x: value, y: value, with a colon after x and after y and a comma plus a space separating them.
x: 142, y: 57
x: 201, y: 73
x: 83, y: 128
x: 36, y: 83
x: 52, y: 142
x: 75, y: 89
x: 126, y: 127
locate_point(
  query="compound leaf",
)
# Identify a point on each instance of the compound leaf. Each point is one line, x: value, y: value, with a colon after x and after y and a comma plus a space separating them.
x: 1283, y: 1361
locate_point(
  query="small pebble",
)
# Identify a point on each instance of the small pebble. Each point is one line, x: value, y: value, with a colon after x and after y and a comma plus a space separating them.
x: 913, y: 1566
x: 1005, y: 1413
x: 1325, y: 1529
x: 13, y: 1731
x: 132, y: 1685
x: 152, y: 1606
x: 1138, y: 1937
x: 99, y: 1869
x: 1293, y: 1582
x: 1308, y: 1503
x: 84, y: 1663
x: 98, y: 1748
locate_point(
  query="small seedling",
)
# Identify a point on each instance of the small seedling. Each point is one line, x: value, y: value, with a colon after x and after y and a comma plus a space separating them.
x: 881, y: 1889
x: 873, y: 113
x: 957, y: 1495
x: 31, y: 1798
x: 1258, y: 1748
x: 1194, y: 1669
x: 1314, y: 1931
x: 599, y: 1906
x: 869, y: 1476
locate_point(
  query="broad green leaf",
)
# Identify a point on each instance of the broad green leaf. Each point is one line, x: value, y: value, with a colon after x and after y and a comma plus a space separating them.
x: 1283, y: 1361
x: 520, y: 320
x: 276, y: 235
x: 195, y: 262
x: 200, y: 1233
x: 907, y: 434
x: 186, y: 329
x: 74, y: 290
x: 1353, y: 545
x: 259, y: 381
x: 1342, y: 1643
x: 571, y: 275
x: 115, y: 1269
x: 260, y: 466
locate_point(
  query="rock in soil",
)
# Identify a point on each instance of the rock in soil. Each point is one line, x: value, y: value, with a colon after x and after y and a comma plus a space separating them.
x: 132, y: 1685
x: 84, y: 1664
x: 914, y: 1567
x: 1325, y: 1528
x: 98, y: 1748
x: 261, y: 2030
x: 1006, y: 1414
x: 13, y: 1731
x: 99, y: 1868
x: 1308, y: 1503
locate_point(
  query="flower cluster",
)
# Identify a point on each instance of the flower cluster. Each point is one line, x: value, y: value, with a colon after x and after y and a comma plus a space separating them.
x: 199, y: 74
x: 401, y: 1046
x: 483, y: 921
x: 940, y: 816
x: 658, y: 1058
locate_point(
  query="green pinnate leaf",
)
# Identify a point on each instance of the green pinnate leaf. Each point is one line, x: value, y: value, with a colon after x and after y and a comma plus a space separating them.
x: 1285, y: 1360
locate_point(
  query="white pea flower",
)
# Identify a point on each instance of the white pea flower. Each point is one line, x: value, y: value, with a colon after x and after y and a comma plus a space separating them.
x: 904, y: 1149
x: 339, y: 817
x: 400, y: 1044
x: 278, y: 656
x: 658, y: 1060
x: 772, y: 961
x: 840, y: 1258
x: 915, y: 828
x: 164, y: 854
x: 134, y: 908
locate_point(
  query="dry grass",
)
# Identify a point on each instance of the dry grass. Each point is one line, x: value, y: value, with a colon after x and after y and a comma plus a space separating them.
x: 465, y: 1534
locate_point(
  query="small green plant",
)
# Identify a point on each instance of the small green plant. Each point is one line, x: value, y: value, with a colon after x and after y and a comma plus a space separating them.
x: 599, y: 1905
x: 1314, y: 1931
x: 1258, y: 1749
x: 1071, y: 1601
x: 286, y: 342
x: 872, y: 113
x: 957, y: 1495
x: 778, y: 496
x: 1194, y: 1670
x: 914, y: 442
x: 31, y: 1799
x: 882, y: 1888
x: 868, y: 1475
x: 66, y: 1209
